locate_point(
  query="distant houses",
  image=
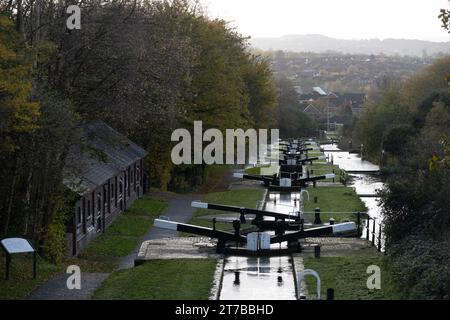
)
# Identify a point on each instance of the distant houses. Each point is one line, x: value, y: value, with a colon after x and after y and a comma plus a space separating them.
x: 319, y: 105
x: 106, y: 175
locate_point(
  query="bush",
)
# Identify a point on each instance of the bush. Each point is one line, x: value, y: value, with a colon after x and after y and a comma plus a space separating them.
x: 420, y: 267
x: 55, y: 240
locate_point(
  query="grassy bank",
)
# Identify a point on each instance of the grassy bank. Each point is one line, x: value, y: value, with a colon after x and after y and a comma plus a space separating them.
x: 334, y: 199
x: 318, y: 168
x: 256, y: 170
x: 348, y: 276
x: 21, y: 281
x: 243, y: 198
x: 181, y: 279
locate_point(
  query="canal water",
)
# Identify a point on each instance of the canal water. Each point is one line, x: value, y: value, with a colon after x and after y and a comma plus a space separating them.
x: 258, y: 278
x: 364, y: 183
x: 262, y: 278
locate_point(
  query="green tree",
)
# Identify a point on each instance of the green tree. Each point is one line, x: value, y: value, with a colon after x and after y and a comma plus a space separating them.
x: 19, y: 113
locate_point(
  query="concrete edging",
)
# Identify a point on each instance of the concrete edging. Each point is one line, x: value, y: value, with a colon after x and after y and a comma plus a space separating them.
x: 218, y: 278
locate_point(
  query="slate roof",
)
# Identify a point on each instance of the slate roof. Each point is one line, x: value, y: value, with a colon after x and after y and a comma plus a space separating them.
x: 103, y: 154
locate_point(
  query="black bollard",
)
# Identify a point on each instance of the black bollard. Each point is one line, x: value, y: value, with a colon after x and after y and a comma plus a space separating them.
x: 236, y: 281
x: 237, y: 227
x: 330, y: 294
x: 317, y: 251
x: 358, y: 223
x: 214, y: 223
x: 279, y: 227
x: 331, y: 221
x: 242, y: 217
x: 315, y: 199
x: 317, y: 216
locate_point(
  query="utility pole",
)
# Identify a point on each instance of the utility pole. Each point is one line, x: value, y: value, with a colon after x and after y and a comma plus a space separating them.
x: 328, y: 115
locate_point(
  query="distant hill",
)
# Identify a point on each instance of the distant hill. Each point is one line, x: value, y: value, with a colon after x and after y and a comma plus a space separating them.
x: 320, y: 43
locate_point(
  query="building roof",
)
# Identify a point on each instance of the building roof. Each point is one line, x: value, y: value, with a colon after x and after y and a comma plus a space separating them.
x: 311, y: 109
x: 103, y: 154
x: 320, y: 91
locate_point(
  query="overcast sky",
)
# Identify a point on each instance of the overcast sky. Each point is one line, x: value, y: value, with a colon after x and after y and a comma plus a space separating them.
x: 345, y: 19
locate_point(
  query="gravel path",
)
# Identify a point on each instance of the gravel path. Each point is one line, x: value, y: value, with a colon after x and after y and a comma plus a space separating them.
x: 179, y: 209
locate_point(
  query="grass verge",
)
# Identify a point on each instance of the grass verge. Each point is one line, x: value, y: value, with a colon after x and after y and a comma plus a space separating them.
x: 334, y: 199
x: 348, y: 276
x: 21, y: 281
x: 256, y: 170
x: 240, y: 197
x: 181, y: 279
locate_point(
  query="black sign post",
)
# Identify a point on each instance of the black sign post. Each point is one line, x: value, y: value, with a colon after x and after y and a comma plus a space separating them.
x: 17, y: 245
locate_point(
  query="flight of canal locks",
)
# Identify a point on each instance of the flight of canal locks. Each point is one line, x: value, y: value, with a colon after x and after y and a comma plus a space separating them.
x: 262, y: 249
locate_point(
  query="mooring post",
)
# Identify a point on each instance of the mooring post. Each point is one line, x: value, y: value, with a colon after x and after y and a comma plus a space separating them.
x: 330, y: 294
x: 317, y: 251
x: 332, y: 221
x: 358, y: 221
x: 214, y: 223
x: 367, y: 228
x: 373, y: 232
x: 317, y: 219
x: 237, y: 227
x: 379, y: 239
x: 315, y: 199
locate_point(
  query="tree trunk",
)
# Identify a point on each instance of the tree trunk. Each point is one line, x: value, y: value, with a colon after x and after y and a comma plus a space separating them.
x: 12, y: 193
x: 19, y: 19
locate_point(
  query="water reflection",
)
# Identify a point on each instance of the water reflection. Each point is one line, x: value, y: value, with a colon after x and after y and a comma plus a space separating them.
x: 348, y: 161
x: 266, y: 278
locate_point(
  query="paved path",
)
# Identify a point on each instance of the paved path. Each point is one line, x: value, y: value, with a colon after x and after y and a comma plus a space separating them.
x: 179, y: 209
x: 56, y: 289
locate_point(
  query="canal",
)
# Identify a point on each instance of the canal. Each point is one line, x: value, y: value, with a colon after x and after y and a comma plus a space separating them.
x: 262, y: 278
x: 272, y: 278
x: 365, y: 179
